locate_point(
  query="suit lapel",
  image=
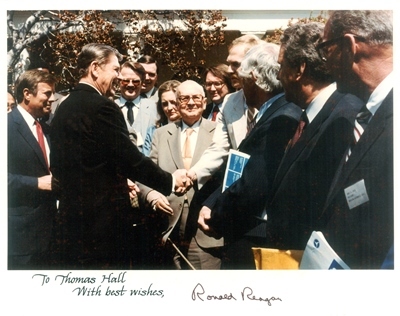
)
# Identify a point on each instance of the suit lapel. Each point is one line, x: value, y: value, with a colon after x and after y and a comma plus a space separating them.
x: 27, y: 134
x: 203, y: 139
x: 174, y: 143
x: 292, y: 154
x: 375, y: 128
x: 264, y: 119
x: 238, y: 126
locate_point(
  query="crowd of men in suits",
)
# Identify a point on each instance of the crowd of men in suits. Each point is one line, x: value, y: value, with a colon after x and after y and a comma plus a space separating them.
x: 314, y: 114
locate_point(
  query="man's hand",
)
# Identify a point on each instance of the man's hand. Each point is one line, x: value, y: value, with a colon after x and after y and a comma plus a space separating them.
x: 192, y: 175
x: 182, y: 182
x: 159, y: 202
x: 133, y: 189
x: 204, y: 215
x: 44, y: 183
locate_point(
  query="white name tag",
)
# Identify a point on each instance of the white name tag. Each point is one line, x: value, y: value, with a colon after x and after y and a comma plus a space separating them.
x: 356, y: 194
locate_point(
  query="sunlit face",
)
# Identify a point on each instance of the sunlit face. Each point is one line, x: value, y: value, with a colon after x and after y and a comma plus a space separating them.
x: 235, y: 57
x: 169, y: 106
x: 107, y: 76
x: 39, y: 104
x: 216, y: 88
x: 191, y: 102
x: 151, y: 77
x: 130, y: 84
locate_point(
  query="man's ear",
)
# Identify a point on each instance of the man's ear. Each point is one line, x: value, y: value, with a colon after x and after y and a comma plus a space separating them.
x: 27, y: 94
x: 352, y: 47
x: 253, y: 76
x: 94, y: 69
x: 300, y: 70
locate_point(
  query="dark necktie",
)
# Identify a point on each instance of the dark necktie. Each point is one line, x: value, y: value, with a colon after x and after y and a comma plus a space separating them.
x: 362, y: 119
x: 40, y: 136
x: 129, y: 105
x: 300, y: 128
x: 143, y: 95
x: 215, y: 113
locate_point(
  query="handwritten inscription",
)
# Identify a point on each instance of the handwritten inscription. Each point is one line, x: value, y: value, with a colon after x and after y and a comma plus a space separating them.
x: 246, y: 294
x: 111, y: 284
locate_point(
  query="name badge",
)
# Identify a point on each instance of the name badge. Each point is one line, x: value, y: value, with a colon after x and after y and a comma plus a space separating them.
x: 356, y: 194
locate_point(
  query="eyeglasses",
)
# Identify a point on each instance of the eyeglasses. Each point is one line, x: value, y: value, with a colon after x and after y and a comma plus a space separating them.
x: 322, y: 48
x: 216, y: 84
x: 184, y: 99
x: 135, y: 82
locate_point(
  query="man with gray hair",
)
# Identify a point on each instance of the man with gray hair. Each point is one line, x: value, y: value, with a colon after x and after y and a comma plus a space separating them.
x: 358, y: 50
x: 232, y: 120
x: 235, y: 212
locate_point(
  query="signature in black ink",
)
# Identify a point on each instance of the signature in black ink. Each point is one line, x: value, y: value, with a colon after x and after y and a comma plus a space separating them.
x: 247, y: 294
x: 199, y: 293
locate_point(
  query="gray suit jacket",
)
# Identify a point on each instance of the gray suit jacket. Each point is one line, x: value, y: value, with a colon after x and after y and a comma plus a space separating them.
x: 166, y: 152
x: 146, y: 117
x: 231, y: 129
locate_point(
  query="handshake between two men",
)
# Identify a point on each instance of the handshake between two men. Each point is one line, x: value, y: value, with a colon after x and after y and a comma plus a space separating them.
x: 183, y: 183
x: 205, y: 212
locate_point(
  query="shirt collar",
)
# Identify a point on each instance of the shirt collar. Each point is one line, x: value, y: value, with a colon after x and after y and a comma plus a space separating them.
x: 266, y: 105
x: 29, y: 119
x: 136, y: 102
x: 84, y: 82
x: 195, y: 126
x: 149, y: 93
x: 380, y: 93
x: 319, y: 101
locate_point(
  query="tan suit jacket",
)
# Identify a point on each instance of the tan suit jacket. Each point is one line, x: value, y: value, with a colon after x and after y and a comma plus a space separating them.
x: 166, y: 152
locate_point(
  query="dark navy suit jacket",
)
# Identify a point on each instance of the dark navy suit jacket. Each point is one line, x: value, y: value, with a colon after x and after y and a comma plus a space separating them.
x: 92, y: 157
x: 235, y: 211
x: 303, y: 179
x: 362, y: 236
x: 30, y: 211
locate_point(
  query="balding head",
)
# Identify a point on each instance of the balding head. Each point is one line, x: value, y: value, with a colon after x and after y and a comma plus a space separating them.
x: 191, y: 101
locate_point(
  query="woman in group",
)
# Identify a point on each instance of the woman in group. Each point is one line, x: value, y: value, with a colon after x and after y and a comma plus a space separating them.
x: 166, y: 108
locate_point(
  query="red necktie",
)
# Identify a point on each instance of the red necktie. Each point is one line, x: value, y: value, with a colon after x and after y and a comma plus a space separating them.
x: 40, y: 136
x: 302, y: 124
x: 215, y: 113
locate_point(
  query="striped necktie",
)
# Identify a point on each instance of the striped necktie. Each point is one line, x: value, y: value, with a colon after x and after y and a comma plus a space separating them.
x: 361, y: 122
